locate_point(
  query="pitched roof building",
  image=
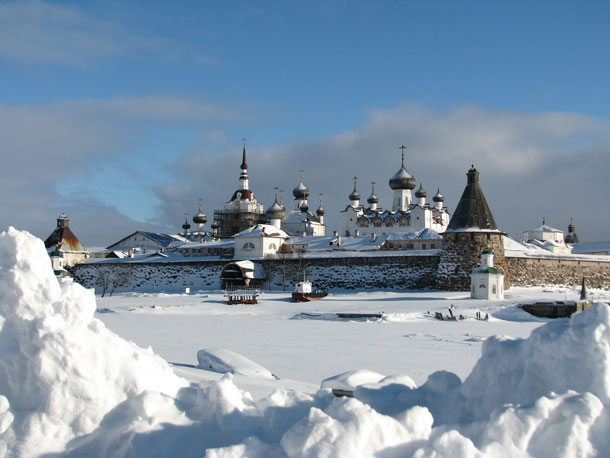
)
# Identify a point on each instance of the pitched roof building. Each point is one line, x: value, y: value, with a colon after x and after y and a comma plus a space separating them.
x: 64, y: 246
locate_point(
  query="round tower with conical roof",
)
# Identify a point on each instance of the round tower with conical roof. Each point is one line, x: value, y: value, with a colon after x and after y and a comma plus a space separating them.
x: 472, y: 229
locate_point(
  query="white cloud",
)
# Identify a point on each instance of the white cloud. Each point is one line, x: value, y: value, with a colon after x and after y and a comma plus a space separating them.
x: 532, y: 165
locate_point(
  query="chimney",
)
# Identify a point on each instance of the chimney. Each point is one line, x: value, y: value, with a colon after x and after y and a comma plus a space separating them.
x: 373, y: 237
x: 335, y: 233
x: 356, y: 232
x: 339, y: 241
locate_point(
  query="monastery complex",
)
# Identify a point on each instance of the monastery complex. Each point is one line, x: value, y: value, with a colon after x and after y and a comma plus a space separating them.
x: 415, y: 244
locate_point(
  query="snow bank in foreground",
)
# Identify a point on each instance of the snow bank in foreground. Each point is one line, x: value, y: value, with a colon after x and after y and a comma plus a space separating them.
x: 61, y: 370
x: 69, y: 385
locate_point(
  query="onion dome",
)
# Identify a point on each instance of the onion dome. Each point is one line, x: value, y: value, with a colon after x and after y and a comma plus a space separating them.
x: 200, y: 217
x: 186, y: 226
x: 320, y: 211
x: 276, y: 211
x: 421, y: 192
x: 373, y: 199
x: 438, y: 197
x: 402, y: 180
x: 355, y: 195
x: 301, y: 191
x: 304, y: 208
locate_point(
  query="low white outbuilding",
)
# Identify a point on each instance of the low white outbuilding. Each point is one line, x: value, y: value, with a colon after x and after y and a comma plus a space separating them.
x: 258, y: 241
x: 487, y: 282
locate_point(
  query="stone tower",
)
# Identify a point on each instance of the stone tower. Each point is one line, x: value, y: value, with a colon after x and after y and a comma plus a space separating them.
x: 471, y: 230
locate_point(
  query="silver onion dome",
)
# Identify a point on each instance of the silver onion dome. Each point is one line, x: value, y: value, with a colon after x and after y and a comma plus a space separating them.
x: 200, y: 217
x: 301, y: 191
x: 276, y: 211
x: 438, y: 197
x: 421, y: 192
x: 402, y: 180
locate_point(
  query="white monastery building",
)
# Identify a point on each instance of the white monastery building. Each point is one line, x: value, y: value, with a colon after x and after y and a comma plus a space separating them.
x: 406, y: 215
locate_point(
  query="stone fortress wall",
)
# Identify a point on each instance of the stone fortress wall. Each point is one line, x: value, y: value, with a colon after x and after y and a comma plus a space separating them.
x: 413, y: 272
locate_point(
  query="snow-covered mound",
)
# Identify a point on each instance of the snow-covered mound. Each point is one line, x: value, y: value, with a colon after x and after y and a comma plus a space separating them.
x: 68, y: 385
x: 221, y: 360
x: 61, y: 370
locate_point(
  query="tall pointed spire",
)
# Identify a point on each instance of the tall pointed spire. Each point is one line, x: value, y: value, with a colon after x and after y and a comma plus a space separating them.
x: 244, y: 165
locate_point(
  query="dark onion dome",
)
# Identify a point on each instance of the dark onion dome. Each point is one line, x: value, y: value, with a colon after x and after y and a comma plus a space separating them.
x: 421, y: 192
x: 276, y: 211
x: 438, y: 197
x: 304, y: 208
x: 301, y: 191
x: 200, y: 217
x: 402, y: 180
x: 186, y: 226
x: 373, y: 199
x: 320, y: 211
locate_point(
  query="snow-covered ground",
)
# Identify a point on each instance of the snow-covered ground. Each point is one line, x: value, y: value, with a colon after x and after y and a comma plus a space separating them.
x: 71, y: 383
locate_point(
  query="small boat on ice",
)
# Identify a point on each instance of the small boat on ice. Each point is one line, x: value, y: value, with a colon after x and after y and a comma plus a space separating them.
x: 304, y: 292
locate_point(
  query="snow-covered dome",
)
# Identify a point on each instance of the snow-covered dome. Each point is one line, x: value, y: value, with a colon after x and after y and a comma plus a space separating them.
x: 355, y: 195
x: 373, y: 199
x: 438, y: 197
x: 421, y: 192
x: 320, y: 211
x: 276, y: 211
x: 301, y: 191
x: 402, y: 180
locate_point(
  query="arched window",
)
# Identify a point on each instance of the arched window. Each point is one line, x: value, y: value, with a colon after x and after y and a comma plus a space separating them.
x: 377, y: 222
x: 363, y: 222
x: 403, y: 221
x: 248, y: 246
x: 272, y: 247
x: 388, y: 221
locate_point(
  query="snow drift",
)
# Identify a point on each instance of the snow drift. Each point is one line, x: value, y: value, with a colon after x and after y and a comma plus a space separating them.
x: 70, y: 386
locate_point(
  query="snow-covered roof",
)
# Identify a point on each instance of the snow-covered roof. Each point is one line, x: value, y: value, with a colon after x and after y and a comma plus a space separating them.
x: 424, y: 234
x: 544, y: 228
x: 251, y: 269
x: 224, y: 243
x: 164, y: 240
x: 262, y: 230
x: 331, y: 243
x: 591, y: 247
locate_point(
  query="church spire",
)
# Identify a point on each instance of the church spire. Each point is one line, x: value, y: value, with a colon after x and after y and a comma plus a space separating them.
x: 243, y: 177
x: 244, y: 165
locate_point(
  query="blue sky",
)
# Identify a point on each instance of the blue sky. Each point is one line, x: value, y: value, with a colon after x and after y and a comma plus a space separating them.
x: 124, y: 114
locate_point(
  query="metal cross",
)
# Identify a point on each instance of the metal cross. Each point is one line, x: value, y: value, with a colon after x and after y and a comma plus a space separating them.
x: 403, y: 148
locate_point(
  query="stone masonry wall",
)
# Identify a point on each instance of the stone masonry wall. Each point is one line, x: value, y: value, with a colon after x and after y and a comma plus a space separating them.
x: 461, y: 254
x: 392, y: 272
x: 542, y: 272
